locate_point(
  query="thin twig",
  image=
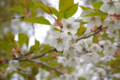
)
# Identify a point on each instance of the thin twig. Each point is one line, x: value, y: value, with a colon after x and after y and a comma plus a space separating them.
x: 53, y: 49
x: 44, y: 64
x: 11, y: 19
x: 28, y: 53
x: 2, y: 78
x: 33, y: 29
x: 84, y: 37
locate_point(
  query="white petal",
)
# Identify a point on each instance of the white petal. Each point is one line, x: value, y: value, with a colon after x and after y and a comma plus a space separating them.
x: 118, y: 11
x: 106, y: 23
x: 111, y: 27
x: 105, y: 7
x: 106, y: 1
x: 76, y: 25
x: 86, y: 19
x: 70, y: 20
x: 55, y: 33
x: 91, y: 24
x: 98, y: 22
x: 64, y: 22
x: 59, y: 47
x: 111, y: 10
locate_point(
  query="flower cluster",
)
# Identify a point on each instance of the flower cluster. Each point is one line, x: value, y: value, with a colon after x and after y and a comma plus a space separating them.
x: 12, y: 66
x: 73, y: 50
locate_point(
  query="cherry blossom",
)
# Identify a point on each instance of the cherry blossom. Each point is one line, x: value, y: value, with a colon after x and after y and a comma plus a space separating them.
x: 59, y: 40
x: 73, y: 62
x: 110, y: 50
x: 101, y: 71
x: 111, y: 25
x: 69, y: 25
x: 104, y: 43
x: 92, y: 21
x: 73, y: 76
x: 71, y: 50
x: 96, y: 48
x: 12, y: 66
x: 62, y: 60
x: 107, y: 59
x: 108, y: 6
x: 114, y: 34
x: 64, y: 77
x: 91, y: 58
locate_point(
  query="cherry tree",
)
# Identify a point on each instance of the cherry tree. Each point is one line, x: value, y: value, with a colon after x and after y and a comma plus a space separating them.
x: 83, y: 48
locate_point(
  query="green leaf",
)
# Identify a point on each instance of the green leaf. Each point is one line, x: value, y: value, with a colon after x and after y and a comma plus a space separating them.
x: 71, y: 11
x: 11, y: 35
x: 61, y: 16
x: 35, y: 70
x: 61, y: 4
x: 34, y: 13
x: 115, y: 63
x: 37, y: 43
x: 103, y: 17
x: 23, y: 38
x: 95, y: 39
x: 43, y: 7
x: 26, y: 4
x: 91, y: 12
x: 81, y: 30
x: 40, y: 20
x: 56, y: 29
x: 45, y: 48
x: 32, y: 5
x: 6, y: 38
x: 19, y: 2
x: 31, y: 77
x: 53, y: 63
x: 112, y: 39
x: 104, y: 36
x: 118, y: 70
x: 18, y: 9
x: 54, y: 11
x: 35, y: 47
x: 64, y: 5
x: 82, y: 7
x: 97, y: 5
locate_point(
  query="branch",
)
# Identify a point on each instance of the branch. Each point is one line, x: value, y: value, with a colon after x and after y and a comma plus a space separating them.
x: 84, y: 37
x: 26, y: 54
x: 11, y: 19
x: 44, y: 64
x: 2, y: 78
x: 53, y: 49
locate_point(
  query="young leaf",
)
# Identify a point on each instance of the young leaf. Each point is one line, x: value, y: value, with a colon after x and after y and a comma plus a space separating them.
x: 54, y: 11
x: 36, y: 46
x: 90, y: 12
x: 35, y: 70
x: 82, y: 7
x: 23, y: 38
x: 97, y: 5
x: 71, y: 11
x: 37, y: 43
x: 61, y: 4
x: 40, y: 20
x: 81, y: 30
x: 11, y: 35
x: 18, y: 9
x: 64, y: 5
x: 43, y: 7
x: 95, y: 39
x: 6, y: 38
